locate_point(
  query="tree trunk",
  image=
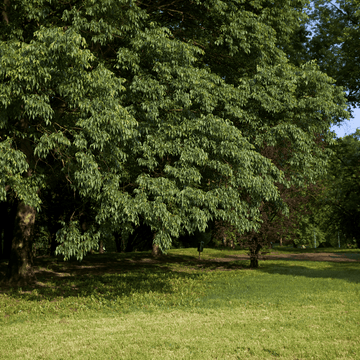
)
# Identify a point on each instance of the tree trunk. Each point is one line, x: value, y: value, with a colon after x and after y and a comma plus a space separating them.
x: 101, y: 247
x: 280, y: 241
x: 254, y: 256
x: 155, y: 248
x: 20, y: 272
x: 118, y: 241
x: 254, y: 262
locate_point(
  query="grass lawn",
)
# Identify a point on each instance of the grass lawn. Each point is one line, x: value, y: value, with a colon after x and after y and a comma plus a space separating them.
x: 129, y: 306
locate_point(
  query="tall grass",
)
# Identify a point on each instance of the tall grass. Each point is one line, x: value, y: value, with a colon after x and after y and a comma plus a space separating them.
x: 182, y: 308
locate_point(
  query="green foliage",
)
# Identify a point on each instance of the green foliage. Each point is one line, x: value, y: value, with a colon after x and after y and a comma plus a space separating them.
x: 335, y: 44
x: 140, y: 126
x: 12, y: 165
x: 341, y: 199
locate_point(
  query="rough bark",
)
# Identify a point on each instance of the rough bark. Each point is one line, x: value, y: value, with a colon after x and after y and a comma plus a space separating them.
x: 101, y: 247
x: 20, y: 272
x: 156, y: 250
x: 254, y: 254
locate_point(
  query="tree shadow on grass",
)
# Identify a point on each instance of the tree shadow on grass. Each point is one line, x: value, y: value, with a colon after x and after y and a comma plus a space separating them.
x: 100, y: 267
x: 137, y: 267
x: 348, y: 271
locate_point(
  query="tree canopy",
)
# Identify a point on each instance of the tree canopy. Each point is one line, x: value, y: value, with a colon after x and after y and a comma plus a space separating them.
x: 342, y: 195
x: 335, y: 44
x: 137, y: 118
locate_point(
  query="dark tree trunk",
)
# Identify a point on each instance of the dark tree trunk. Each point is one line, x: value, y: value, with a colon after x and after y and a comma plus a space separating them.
x: 254, y: 255
x: 20, y: 271
x: 130, y: 242
x: 254, y: 262
x: 118, y: 241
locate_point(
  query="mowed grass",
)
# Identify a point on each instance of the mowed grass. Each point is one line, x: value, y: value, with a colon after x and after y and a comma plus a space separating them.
x: 125, y: 306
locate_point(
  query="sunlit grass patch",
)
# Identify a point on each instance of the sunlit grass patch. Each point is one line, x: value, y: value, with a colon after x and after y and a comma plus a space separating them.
x: 284, y: 309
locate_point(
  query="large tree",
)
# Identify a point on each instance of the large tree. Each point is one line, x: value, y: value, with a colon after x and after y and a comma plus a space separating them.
x: 141, y: 121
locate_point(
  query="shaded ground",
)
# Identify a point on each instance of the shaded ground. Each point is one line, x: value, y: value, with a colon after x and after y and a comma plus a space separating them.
x: 52, y: 268
x: 335, y: 257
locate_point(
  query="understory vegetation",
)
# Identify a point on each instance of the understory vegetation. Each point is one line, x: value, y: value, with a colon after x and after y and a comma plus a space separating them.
x: 131, y: 306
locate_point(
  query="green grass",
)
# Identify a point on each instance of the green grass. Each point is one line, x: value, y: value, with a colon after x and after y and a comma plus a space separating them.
x: 124, y: 307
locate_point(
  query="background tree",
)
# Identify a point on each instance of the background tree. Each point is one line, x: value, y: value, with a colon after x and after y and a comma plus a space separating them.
x: 274, y: 226
x: 342, y: 197
x: 335, y: 209
x: 335, y: 44
x: 142, y: 128
x: 308, y: 213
